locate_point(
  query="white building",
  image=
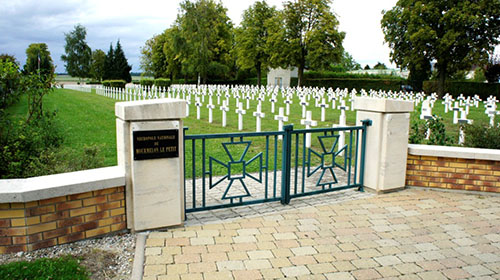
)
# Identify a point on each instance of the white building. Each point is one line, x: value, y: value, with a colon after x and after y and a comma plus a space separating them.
x: 281, y: 77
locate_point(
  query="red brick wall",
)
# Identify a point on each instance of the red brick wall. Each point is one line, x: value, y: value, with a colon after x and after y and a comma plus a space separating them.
x: 453, y: 173
x: 49, y: 222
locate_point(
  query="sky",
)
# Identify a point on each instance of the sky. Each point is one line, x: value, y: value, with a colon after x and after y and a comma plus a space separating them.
x: 23, y: 22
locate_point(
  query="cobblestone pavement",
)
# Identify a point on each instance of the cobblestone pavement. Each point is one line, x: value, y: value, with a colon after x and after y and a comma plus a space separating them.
x: 412, y: 234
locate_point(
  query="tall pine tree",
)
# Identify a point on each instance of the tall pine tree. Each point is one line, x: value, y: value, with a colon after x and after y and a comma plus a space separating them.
x: 116, y: 66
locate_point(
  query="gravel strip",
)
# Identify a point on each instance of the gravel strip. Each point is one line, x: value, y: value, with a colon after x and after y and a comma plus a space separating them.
x: 109, y: 257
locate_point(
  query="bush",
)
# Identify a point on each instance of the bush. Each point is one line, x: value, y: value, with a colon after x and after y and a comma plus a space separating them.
x: 10, y: 83
x: 162, y: 82
x: 114, y: 83
x: 337, y: 75
x: 147, y: 82
x: 65, y: 268
x: 482, y: 136
x: 483, y: 90
x: 438, y: 136
x: 93, y: 82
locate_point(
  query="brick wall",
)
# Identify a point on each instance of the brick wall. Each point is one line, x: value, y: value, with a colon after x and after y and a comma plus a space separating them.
x: 44, y: 223
x: 453, y: 173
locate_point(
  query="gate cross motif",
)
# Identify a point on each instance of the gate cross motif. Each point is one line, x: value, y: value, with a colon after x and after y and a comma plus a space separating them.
x: 232, y: 165
x: 328, y: 159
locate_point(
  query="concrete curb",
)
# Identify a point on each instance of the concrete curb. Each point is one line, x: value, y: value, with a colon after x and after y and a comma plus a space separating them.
x: 138, y: 265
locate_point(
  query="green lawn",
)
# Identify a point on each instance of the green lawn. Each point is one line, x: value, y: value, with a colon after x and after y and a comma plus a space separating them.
x: 88, y: 118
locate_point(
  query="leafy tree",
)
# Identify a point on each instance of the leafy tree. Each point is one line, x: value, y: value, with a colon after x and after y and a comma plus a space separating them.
x: 38, y: 58
x: 308, y: 38
x: 10, y: 81
x: 9, y: 57
x: 380, y: 66
x: 367, y: 67
x: 78, y: 54
x: 250, y: 39
x: 153, y: 60
x: 455, y: 33
x: 146, y: 63
x: 420, y: 71
x: 348, y: 62
x: 174, y: 50
x: 97, y: 65
x: 207, y: 32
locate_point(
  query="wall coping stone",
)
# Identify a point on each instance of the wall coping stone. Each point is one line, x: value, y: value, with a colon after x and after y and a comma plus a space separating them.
x: 384, y: 105
x: 50, y: 186
x: 454, y: 152
x: 153, y: 109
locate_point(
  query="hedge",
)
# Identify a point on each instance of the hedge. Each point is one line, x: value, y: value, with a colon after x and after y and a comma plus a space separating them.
x: 147, y: 82
x: 358, y: 84
x: 313, y: 75
x: 483, y: 90
x: 114, y: 83
x: 162, y: 82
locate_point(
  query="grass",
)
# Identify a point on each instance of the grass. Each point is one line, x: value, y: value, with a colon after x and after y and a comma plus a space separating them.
x: 87, y: 118
x: 64, y: 268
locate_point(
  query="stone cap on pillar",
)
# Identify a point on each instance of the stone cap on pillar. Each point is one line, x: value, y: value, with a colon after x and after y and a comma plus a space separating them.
x: 154, y: 109
x: 383, y: 105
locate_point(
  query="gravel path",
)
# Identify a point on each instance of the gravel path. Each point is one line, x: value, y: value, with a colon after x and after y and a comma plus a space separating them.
x: 109, y: 257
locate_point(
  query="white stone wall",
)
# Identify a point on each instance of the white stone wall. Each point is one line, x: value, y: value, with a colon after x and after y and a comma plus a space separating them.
x: 281, y: 77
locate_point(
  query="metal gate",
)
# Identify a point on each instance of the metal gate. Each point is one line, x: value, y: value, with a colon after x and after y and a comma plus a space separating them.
x: 233, y: 169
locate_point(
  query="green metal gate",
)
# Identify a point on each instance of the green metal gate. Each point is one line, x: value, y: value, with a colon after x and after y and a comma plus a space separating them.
x: 233, y: 169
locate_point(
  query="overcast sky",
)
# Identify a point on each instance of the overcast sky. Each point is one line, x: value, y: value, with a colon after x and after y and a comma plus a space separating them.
x: 133, y: 22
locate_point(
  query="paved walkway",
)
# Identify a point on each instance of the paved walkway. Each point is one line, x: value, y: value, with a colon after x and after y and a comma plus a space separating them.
x: 412, y: 234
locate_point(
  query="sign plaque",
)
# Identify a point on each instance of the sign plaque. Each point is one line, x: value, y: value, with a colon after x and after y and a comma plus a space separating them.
x: 154, y: 144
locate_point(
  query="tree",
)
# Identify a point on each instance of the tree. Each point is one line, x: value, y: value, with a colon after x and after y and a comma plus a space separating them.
x: 115, y: 65
x: 8, y: 57
x: 109, y: 70
x: 380, y: 66
x: 120, y: 63
x: 78, y: 54
x: 153, y: 60
x: 97, y: 65
x: 348, y: 62
x: 38, y: 58
x: 207, y: 31
x: 250, y: 39
x: 367, y: 67
x: 308, y: 38
x: 492, y: 69
x: 454, y: 33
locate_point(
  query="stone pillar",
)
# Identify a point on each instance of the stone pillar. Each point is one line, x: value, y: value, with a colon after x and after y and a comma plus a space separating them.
x: 150, y: 146
x: 386, y: 142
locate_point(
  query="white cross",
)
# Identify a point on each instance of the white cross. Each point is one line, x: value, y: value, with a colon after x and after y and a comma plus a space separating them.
x: 188, y: 102
x: 426, y: 112
x: 258, y: 115
x: 281, y: 118
x: 224, y: 108
x: 456, y: 109
x: 248, y: 97
x: 273, y: 100
x: 323, y: 106
x: 240, y: 113
x: 198, y: 104
x: 210, y: 107
x: 308, y: 122
x: 288, y: 102
x: 462, y: 120
x: 304, y: 104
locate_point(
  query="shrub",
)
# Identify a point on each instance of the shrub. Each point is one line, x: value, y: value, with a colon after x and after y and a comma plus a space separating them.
x: 93, y: 82
x: 147, y: 82
x: 356, y: 83
x: 438, y: 135
x: 10, y: 83
x: 482, y: 136
x: 454, y: 88
x: 114, y: 83
x: 65, y: 268
x: 162, y: 82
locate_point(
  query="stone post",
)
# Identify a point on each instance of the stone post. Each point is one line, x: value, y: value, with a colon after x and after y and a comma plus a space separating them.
x: 386, y: 143
x: 150, y: 146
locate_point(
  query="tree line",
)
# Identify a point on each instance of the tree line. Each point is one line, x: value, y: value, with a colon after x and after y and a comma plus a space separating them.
x: 450, y: 35
x: 203, y: 43
x: 81, y: 61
